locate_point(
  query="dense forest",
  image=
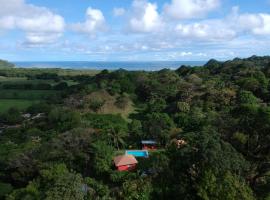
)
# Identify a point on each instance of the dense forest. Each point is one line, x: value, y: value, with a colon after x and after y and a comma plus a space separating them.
x: 61, y: 129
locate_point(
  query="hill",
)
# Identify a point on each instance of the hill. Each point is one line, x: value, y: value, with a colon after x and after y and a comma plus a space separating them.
x: 102, y: 102
x: 6, y: 64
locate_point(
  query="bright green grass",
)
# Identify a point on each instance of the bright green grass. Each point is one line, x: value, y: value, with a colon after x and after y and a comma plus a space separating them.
x: 6, y: 104
x: 27, y: 94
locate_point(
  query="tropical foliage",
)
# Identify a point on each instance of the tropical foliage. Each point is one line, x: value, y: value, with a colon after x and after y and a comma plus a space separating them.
x: 211, y: 123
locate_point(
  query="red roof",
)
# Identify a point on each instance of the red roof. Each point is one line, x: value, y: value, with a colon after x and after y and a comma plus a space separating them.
x: 124, y: 160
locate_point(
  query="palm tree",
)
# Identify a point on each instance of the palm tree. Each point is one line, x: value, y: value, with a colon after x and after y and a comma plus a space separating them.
x: 117, y: 136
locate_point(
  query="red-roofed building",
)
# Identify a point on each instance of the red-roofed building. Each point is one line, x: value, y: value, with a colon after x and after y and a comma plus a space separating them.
x: 125, y: 162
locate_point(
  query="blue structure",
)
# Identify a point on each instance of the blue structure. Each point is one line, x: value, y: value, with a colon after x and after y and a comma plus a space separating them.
x: 148, y: 142
x: 138, y: 153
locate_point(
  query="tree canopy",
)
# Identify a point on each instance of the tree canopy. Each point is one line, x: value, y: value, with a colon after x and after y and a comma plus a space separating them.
x: 211, y: 126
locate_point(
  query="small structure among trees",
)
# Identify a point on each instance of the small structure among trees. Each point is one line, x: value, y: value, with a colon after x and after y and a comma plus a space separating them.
x: 125, y: 162
x: 179, y: 142
x: 149, y: 145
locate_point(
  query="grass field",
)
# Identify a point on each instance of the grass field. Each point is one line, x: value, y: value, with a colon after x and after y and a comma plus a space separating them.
x: 27, y: 94
x: 33, y: 82
x: 24, y: 80
x: 6, y: 104
x: 12, y: 79
x: 23, y: 98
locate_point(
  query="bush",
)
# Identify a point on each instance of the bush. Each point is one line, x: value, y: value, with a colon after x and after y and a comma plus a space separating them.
x: 39, y: 108
x: 12, y: 116
x: 5, y: 188
x: 61, y: 86
x: 64, y: 119
x: 95, y: 105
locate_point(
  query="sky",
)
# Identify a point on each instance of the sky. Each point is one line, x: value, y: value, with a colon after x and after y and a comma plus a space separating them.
x: 133, y: 30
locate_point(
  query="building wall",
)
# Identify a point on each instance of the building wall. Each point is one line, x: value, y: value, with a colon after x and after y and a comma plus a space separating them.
x: 126, y: 167
x: 149, y: 147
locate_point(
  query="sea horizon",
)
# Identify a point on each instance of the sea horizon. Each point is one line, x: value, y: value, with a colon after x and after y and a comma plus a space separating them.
x: 110, y: 65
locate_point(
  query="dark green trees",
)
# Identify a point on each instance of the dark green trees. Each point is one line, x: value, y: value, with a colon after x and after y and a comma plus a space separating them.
x: 205, y: 167
x: 54, y: 183
x: 211, y: 124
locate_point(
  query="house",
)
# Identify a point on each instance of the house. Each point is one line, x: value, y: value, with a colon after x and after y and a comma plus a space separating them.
x: 38, y: 116
x: 149, y: 144
x: 179, y: 142
x: 125, y: 162
x: 26, y: 116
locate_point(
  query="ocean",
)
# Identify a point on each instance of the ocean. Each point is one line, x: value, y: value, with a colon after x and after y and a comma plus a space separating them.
x: 147, y: 66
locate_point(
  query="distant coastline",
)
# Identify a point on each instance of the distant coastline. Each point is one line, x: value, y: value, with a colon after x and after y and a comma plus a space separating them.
x: 100, y: 65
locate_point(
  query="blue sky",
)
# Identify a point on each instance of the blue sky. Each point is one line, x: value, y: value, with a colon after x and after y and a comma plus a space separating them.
x: 133, y: 30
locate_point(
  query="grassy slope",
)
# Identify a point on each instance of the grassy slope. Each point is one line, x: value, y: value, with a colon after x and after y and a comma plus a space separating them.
x: 109, y: 106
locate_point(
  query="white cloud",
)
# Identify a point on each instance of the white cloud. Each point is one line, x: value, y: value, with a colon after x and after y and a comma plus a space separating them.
x: 44, y: 23
x: 95, y: 22
x: 265, y: 28
x: 176, y: 31
x: 180, y: 54
x: 145, y: 17
x: 228, y: 28
x: 189, y: 9
x: 257, y: 24
x: 119, y: 11
x: 211, y: 30
x: 7, y: 22
x: 33, y: 20
x: 38, y: 38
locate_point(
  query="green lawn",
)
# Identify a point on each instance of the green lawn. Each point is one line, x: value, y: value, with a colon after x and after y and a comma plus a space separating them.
x: 6, y: 104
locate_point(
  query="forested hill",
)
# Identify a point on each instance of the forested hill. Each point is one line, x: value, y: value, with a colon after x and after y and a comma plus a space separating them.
x: 5, y: 64
x: 254, y: 61
x: 211, y: 124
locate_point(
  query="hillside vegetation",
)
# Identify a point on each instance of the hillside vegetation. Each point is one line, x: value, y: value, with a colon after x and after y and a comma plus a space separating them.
x: 6, y: 64
x: 101, y: 102
x: 78, y: 122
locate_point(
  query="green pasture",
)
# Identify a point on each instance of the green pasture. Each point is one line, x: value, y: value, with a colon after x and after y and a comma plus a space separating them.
x: 23, y: 80
x: 27, y: 94
x: 4, y: 79
x: 6, y: 104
